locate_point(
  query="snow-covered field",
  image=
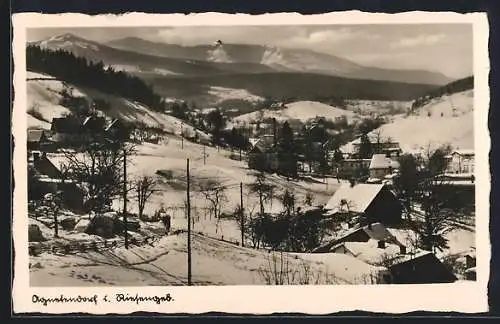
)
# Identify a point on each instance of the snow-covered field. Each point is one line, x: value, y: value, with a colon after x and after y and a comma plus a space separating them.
x: 302, y: 110
x: 377, y: 107
x: 223, y: 93
x: 428, y: 127
x: 172, y: 155
x: 213, y: 263
x: 165, y: 71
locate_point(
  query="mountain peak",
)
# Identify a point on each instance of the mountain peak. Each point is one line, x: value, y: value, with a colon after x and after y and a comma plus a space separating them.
x: 64, y: 37
x: 67, y: 41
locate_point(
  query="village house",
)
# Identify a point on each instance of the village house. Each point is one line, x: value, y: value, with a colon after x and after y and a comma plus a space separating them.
x: 360, y: 234
x: 461, y: 161
x: 378, y: 145
x: 374, y: 252
x: 94, y: 126
x: 43, y: 165
x: 38, y: 140
x: 262, y: 154
x: 117, y: 130
x: 66, y: 130
x: 348, y: 168
x: 70, y: 130
x: 373, y: 202
x: 45, y: 177
x: 381, y: 166
x: 419, y: 268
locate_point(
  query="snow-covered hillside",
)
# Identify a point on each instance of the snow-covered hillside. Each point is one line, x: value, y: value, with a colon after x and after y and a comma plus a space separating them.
x: 302, y: 110
x: 44, y: 95
x: 445, y: 120
x: 216, y: 263
x: 377, y: 107
x: 223, y: 93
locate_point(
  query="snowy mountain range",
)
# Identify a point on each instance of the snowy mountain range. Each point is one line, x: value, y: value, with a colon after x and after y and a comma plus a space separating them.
x: 219, y: 58
x: 280, y: 59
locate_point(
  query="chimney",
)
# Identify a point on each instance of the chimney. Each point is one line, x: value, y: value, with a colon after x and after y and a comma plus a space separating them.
x: 402, y: 249
x: 381, y: 244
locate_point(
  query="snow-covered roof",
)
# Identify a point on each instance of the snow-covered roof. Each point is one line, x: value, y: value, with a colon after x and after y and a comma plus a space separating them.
x: 380, y: 161
x: 114, y: 122
x: 463, y: 152
x: 357, y: 197
x: 407, y: 237
x: 264, y: 142
x: 410, y: 256
x: 370, y: 253
x: 345, y: 267
x: 470, y: 270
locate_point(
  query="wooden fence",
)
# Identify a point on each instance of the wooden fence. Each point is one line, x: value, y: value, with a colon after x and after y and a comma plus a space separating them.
x: 85, y: 246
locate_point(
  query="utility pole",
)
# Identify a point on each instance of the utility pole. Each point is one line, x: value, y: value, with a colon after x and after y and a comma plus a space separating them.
x: 189, y: 223
x: 125, y: 197
x: 242, y: 216
x: 204, y: 154
x: 182, y: 136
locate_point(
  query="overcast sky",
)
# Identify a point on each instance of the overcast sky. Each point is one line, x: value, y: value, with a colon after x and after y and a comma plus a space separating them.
x: 445, y: 48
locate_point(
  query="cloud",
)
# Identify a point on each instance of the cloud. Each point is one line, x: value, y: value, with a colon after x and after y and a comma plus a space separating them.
x: 322, y: 36
x: 418, y: 41
x: 291, y: 36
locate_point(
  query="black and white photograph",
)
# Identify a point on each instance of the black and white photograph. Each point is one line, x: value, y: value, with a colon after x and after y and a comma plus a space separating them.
x: 294, y: 154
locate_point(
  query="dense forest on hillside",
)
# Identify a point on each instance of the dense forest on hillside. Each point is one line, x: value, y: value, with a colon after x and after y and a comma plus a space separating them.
x: 452, y: 87
x: 79, y: 71
x: 289, y: 86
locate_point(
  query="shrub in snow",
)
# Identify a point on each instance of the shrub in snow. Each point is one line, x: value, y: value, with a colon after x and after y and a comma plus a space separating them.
x: 34, y: 250
x: 35, y: 234
x: 82, y: 248
x: 37, y: 265
x: 68, y: 224
x: 104, y: 226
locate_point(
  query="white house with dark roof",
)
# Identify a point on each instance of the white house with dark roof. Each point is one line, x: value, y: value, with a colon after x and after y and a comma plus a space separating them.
x: 461, y: 161
x: 381, y: 165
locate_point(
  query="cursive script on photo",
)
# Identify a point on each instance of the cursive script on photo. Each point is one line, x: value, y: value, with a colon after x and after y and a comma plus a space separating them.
x: 62, y: 299
x: 138, y: 298
x: 95, y: 299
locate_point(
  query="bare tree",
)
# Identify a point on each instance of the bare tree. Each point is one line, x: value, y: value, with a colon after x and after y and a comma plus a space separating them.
x: 309, y: 199
x: 53, y: 202
x: 215, y: 195
x: 262, y: 189
x: 99, y: 167
x: 288, y: 200
x: 145, y: 187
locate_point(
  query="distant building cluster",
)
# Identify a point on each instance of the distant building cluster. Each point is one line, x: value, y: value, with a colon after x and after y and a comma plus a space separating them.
x: 69, y: 130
